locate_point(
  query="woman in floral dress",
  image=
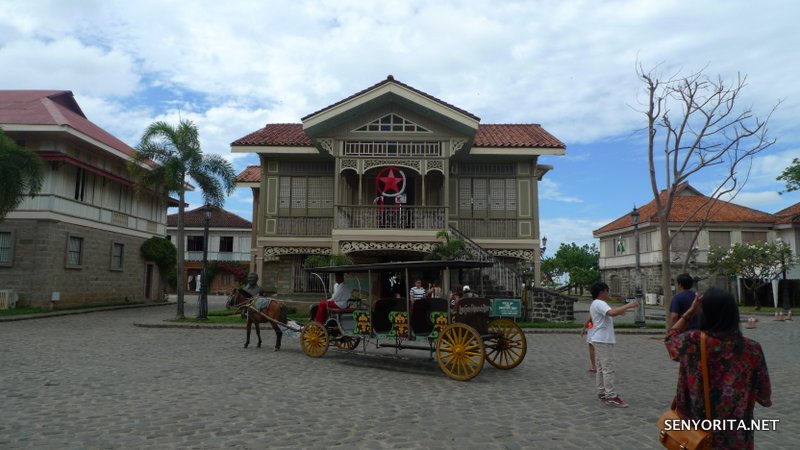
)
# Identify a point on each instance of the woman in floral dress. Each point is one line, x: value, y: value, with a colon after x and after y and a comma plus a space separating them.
x: 737, y: 370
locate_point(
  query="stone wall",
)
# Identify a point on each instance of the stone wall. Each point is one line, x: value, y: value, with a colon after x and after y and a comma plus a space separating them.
x: 549, y: 306
x: 39, y: 266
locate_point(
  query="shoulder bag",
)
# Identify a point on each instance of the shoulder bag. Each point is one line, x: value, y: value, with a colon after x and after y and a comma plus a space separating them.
x: 687, y: 439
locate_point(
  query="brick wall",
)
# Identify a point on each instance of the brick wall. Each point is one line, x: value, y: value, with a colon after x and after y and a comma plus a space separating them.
x: 39, y: 266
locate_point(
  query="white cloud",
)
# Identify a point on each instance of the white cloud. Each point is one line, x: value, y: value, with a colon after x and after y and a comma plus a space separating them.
x: 550, y: 190
x: 565, y: 230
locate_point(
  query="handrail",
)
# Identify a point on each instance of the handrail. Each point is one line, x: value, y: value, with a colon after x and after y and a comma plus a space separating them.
x: 500, y: 274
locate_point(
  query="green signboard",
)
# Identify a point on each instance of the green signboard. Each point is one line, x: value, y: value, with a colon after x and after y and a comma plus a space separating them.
x: 506, y: 307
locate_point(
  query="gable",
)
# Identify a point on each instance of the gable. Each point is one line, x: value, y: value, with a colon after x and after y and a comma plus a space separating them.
x: 391, y: 123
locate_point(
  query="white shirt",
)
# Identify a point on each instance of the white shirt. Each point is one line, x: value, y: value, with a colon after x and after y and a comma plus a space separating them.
x: 603, y: 323
x: 340, y: 295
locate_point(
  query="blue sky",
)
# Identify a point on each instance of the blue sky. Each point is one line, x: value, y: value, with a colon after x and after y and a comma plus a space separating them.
x: 234, y: 66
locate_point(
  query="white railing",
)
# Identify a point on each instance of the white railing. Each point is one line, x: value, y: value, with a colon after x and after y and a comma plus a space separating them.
x: 217, y: 256
x: 396, y: 217
x: 70, y: 207
x: 400, y: 149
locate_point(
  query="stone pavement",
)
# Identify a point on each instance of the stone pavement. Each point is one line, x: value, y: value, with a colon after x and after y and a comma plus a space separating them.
x: 96, y: 381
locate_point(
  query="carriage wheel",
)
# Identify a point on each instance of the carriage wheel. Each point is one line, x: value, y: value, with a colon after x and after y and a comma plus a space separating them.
x: 507, y: 346
x: 347, y: 342
x: 314, y: 339
x: 459, y: 351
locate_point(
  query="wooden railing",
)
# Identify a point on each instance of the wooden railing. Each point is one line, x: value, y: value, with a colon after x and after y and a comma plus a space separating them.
x: 304, y: 226
x: 489, y: 228
x: 396, y: 217
x: 501, y: 276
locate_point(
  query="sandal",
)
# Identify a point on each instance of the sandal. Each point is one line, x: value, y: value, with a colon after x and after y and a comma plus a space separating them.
x: 592, y: 370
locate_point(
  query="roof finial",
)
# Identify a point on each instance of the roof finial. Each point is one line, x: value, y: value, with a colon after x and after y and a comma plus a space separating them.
x: 390, y: 77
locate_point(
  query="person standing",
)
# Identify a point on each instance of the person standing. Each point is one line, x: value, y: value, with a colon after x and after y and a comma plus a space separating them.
x: 681, y: 302
x: 417, y: 292
x: 603, y: 341
x: 737, y: 369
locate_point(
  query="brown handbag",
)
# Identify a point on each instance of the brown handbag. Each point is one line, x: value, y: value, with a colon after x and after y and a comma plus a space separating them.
x: 688, y: 439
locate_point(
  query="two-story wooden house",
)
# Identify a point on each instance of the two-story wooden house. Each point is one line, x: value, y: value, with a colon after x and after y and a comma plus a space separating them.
x: 229, y: 238
x: 726, y: 224
x: 379, y: 173
x: 76, y: 241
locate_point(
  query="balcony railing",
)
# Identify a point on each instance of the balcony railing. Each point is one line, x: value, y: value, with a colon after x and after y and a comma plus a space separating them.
x: 488, y: 228
x: 393, y: 217
x: 217, y: 256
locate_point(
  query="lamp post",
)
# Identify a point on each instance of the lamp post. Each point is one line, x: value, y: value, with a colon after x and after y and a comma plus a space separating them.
x: 202, y: 301
x: 543, y: 247
x: 640, y: 322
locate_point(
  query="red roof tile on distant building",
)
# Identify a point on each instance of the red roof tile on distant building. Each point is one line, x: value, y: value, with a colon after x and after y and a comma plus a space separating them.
x: 789, y: 215
x: 220, y: 218
x: 692, y: 207
x: 52, y: 107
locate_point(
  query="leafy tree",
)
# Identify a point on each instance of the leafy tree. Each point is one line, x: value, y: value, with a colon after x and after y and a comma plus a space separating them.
x: 162, y: 252
x: 176, y: 150
x: 693, y: 124
x: 582, y: 263
x: 449, y: 248
x: 791, y: 175
x: 756, y: 263
x: 21, y: 173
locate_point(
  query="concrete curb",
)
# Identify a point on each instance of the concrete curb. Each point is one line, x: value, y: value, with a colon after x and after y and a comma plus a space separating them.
x: 70, y: 312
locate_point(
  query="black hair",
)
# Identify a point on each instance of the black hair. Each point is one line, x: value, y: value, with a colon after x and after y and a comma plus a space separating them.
x: 685, y: 280
x: 720, y: 313
x: 597, y: 288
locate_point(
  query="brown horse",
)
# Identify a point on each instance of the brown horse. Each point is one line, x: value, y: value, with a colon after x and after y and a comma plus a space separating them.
x: 273, y: 309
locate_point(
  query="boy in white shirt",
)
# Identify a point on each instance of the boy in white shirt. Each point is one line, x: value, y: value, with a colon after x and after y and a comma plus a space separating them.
x: 603, y: 340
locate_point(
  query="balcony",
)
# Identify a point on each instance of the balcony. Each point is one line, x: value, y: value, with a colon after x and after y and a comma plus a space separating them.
x: 489, y: 228
x: 396, y: 217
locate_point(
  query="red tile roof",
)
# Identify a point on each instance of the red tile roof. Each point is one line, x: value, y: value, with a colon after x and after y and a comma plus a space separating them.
x: 277, y: 135
x: 32, y: 107
x: 252, y: 174
x: 789, y: 215
x: 690, y: 206
x: 515, y: 135
x: 489, y: 135
x: 390, y: 79
x: 219, y: 219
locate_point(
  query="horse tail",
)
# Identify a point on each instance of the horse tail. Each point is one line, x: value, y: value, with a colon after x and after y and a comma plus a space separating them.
x: 284, y: 316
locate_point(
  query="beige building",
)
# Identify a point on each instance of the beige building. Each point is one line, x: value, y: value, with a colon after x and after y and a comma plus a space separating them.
x: 379, y: 173
x: 77, y: 241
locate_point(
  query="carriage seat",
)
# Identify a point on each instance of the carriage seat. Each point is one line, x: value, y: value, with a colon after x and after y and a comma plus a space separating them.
x: 353, y: 304
x: 420, y: 314
x: 381, y: 310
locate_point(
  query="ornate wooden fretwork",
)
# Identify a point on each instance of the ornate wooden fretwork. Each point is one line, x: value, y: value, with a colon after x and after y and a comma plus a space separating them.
x: 370, y: 163
x: 391, y: 123
x: 524, y: 254
x: 271, y: 253
x: 349, y: 163
x: 326, y: 144
x: 456, y: 145
x: 434, y: 164
x: 356, y: 246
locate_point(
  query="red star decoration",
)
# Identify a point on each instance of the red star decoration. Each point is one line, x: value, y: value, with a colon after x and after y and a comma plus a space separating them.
x: 391, y: 183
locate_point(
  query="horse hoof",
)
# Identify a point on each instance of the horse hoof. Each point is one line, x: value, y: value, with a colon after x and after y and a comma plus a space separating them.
x: 259, y: 345
x: 276, y: 349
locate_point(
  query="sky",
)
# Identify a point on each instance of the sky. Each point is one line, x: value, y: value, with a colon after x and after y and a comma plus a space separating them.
x: 234, y: 66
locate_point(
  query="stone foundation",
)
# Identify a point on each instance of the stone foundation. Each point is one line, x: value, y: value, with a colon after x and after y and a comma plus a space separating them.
x: 549, y: 306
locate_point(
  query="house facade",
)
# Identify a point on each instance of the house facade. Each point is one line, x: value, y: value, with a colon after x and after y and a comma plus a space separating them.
x: 229, y: 245
x: 726, y: 224
x: 376, y: 175
x: 76, y: 241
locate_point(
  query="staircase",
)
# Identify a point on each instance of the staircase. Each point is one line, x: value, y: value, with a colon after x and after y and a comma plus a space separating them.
x: 496, y: 280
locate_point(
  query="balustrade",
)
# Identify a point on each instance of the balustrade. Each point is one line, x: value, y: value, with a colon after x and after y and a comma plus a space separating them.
x: 393, y: 216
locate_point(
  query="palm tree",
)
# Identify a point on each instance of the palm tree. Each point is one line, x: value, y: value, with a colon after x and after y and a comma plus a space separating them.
x: 177, y: 152
x: 21, y: 173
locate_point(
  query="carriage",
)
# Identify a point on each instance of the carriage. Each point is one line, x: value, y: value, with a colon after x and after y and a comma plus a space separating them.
x: 461, y: 336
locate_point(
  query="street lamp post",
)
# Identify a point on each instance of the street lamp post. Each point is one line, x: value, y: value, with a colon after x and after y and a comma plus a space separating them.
x: 202, y: 302
x: 640, y: 322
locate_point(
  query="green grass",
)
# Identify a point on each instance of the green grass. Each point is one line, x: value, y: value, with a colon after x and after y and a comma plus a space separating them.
x: 40, y: 310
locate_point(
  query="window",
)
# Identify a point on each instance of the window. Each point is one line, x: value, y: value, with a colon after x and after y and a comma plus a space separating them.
x: 478, y: 196
x: 117, y: 252
x: 6, y: 248
x: 74, y: 251
x: 226, y: 243
x: 721, y: 239
x: 299, y: 194
x: 754, y: 236
x: 80, y: 184
x: 682, y: 241
x: 394, y: 124
x: 194, y: 243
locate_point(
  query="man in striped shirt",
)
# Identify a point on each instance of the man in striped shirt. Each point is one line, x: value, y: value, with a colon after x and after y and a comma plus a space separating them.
x: 417, y: 291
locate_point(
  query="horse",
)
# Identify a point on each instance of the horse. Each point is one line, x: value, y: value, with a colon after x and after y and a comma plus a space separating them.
x: 274, y: 310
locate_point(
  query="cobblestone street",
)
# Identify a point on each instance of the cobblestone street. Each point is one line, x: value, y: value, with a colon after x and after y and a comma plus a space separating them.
x: 97, y: 381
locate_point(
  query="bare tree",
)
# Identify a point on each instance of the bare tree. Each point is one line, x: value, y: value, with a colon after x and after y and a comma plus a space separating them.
x: 701, y: 129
